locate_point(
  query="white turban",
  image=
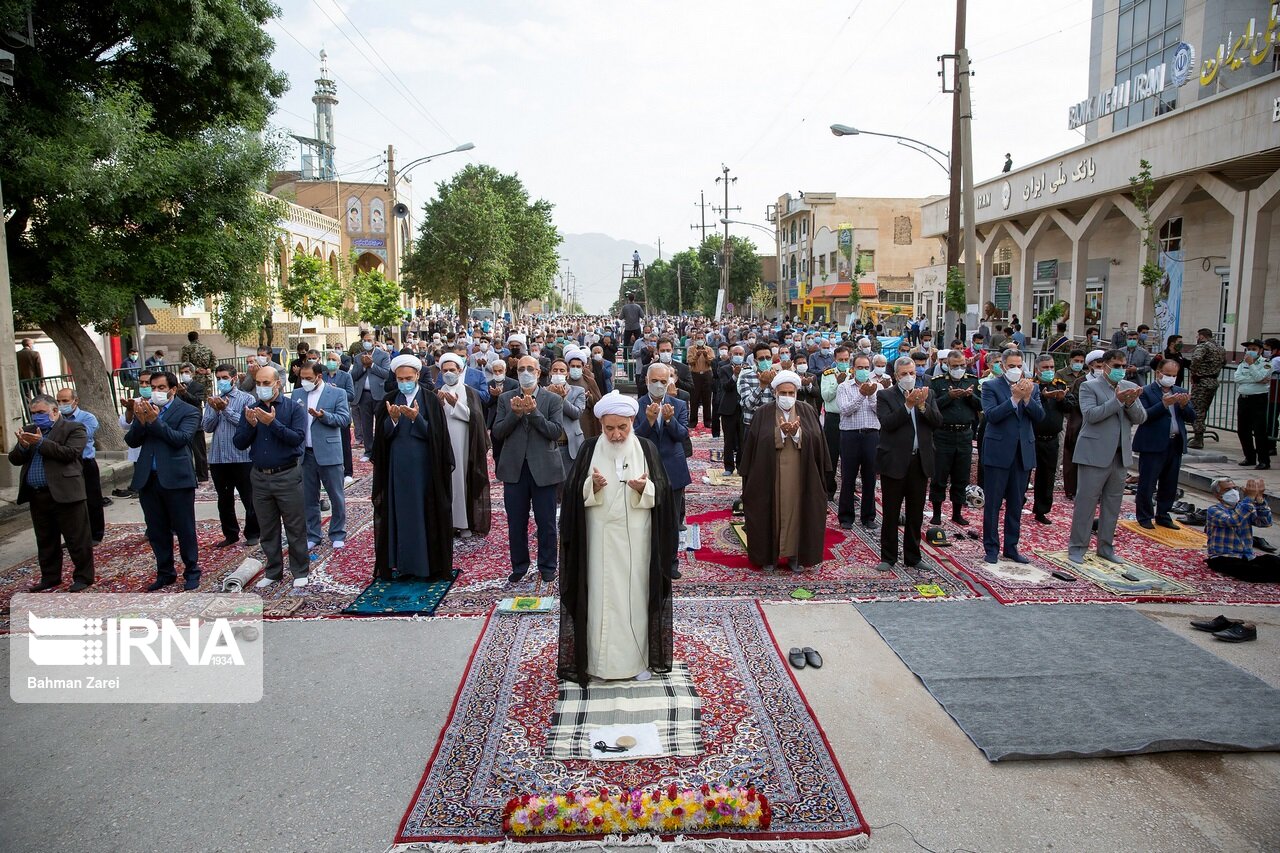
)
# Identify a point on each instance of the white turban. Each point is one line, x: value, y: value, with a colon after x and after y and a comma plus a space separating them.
x: 517, y: 339
x: 785, y: 376
x: 617, y: 403
x: 1094, y: 356
x: 576, y: 352
x: 455, y: 358
x: 406, y: 361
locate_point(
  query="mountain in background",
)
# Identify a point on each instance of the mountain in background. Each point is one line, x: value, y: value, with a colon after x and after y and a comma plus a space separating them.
x: 596, y: 261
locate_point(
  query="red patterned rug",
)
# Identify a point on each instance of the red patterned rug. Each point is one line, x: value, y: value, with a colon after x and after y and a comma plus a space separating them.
x: 1163, y: 574
x: 757, y: 729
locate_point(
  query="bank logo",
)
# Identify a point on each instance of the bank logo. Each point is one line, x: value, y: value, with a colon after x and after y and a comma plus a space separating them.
x: 1183, y: 64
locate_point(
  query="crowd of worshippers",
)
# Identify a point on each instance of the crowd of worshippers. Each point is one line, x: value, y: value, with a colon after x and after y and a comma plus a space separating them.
x: 806, y: 415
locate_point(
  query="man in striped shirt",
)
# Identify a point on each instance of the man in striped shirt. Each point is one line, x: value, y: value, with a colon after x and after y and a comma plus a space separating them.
x: 753, y: 382
x: 228, y: 465
x: 859, y: 441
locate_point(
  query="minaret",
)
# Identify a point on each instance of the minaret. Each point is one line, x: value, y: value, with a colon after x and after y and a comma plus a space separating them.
x: 325, y: 99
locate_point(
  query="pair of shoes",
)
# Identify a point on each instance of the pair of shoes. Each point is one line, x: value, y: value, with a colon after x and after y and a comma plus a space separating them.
x: 43, y: 585
x: 1167, y: 522
x: 1016, y: 557
x: 266, y: 582
x: 79, y: 586
x: 1146, y: 524
x: 1247, y: 463
x: 191, y: 583
x: 547, y: 575
x: 957, y: 518
x: 225, y: 543
x: 250, y: 541
x: 808, y: 656
x: 1263, y: 545
x: 161, y: 583
x: 299, y: 583
x: 1241, y: 632
x: 517, y: 575
x: 1195, y: 519
x: 1042, y: 518
x: 1217, y: 623
x: 884, y: 567
x: 347, y: 481
x: 1183, y: 507
x: 338, y: 544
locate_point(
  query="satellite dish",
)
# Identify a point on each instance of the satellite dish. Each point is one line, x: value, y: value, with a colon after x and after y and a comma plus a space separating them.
x: 401, y: 210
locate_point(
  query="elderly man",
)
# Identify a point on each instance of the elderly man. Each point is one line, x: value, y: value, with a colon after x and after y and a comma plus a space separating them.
x: 328, y: 414
x: 469, y: 440
x: 412, y: 481
x: 859, y: 443
x: 664, y: 420
x: 369, y: 373
x: 1160, y: 441
x: 959, y: 401
x: 573, y: 412
x: 69, y: 408
x: 1103, y: 455
x: 229, y: 466
x: 529, y: 423
x: 1053, y: 398
x: 273, y: 431
x: 1011, y: 410
x: 617, y: 529
x: 165, y: 479
x: 908, y: 416
x: 1229, y: 527
x: 577, y: 362
x: 831, y: 378
x: 51, y: 483
x: 784, y: 488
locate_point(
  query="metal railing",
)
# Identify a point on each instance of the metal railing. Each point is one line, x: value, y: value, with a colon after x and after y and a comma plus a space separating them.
x: 1222, y: 412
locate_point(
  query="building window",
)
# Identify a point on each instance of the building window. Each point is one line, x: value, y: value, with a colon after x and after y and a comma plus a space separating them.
x: 832, y: 262
x: 1171, y: 235
x: 866, y: 260
x: 793, y: 232
x: 793, y: 266
x: 1146, y: 35
x: 822, y: 265
x: 804, y: 227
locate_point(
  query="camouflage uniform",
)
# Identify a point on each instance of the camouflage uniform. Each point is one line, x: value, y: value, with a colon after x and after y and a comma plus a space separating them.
x: 199, y: 355
x: 1207, y: 361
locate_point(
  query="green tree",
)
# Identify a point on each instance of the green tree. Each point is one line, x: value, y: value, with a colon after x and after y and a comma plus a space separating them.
x: 482, y: 237
x: 378, y: 299
x: 130, y: 148
x: 744, y: 272
x: 954, y: 301
x: 309, y: 290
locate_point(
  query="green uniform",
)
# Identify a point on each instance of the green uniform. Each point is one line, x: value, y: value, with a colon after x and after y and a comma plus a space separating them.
x: 1207, y: 361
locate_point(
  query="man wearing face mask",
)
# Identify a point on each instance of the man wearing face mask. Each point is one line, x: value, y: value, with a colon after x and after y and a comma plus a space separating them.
x: 1207, y: 361
x: 1109, y: 408
x: 1160, y: 441
x: 602, y: 369
x: 664, y: 420
x: 51, y: 483
x: 1053, y: 397
x: 334, y: 375
x: 328, y: 414
x: 682, y: 373
x: 164, y: 478
x: 273, y: 431
x: 529, y: 424
x: 469, y: 441
x: 699, y: 360
x: 908, y: 416
x: 859, y: 443
x: 730, y: 407
x: 369, y: 373
x: 1079, y: 370
x: 828, y: 384
x: 193, y: 392
x: 229, y: 465
x: 577, y: 362
x: 958, y: 401
x: 1253, y: 385
x: 1229, y: 528
x: 1137, y: 360
x: 1011, y: 410
x: 69, y: 408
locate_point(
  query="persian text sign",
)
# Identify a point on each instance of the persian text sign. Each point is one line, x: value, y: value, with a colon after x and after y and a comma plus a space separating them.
x: 121, y: 648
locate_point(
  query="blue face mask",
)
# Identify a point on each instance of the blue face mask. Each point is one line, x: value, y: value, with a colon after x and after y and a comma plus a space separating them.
x: 1046, y: 376
x: 42, y: 420
x: 862, y: 374
x: 224, y: 385
x: 1116, y: 374
x: 919, y: 371
x: 737, y: 359
x: 265, y: 392
x: 145, y: 392
x: 66, y: 408
x: 997, y: 369
x: 842, y: 366
x: 406, y: 387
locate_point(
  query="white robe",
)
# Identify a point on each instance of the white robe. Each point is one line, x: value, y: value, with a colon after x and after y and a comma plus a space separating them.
x: 458, y: 417
x: 619, y: 525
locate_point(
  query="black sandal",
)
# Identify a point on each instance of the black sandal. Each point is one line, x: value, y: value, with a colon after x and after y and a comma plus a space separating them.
x: 796, y: 657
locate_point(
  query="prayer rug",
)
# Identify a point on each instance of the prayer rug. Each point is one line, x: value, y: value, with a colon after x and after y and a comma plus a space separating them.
x: 1166, y: 573
x: 756, y: 726
x: 1185, y: 538
x: 669, y: 701
x: 720, y: 568
x: 1111, y: 576
x: 399, y: 598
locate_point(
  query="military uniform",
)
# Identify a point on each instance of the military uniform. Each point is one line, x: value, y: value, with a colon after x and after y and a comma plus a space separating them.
x: 831, y: 422
x: 1048, y: 442
x: 1207, y: 361
x: 199, y: 355
x: 953, y: 442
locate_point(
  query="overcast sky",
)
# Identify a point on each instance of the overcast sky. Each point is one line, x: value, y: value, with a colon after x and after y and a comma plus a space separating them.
x: 620, y: 114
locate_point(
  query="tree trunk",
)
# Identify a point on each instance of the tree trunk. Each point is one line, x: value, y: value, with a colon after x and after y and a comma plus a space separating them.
x: 464, y: 302
x: 93, y: 380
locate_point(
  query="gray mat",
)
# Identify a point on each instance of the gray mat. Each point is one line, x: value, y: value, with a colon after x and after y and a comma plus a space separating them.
x: 1078, y: 680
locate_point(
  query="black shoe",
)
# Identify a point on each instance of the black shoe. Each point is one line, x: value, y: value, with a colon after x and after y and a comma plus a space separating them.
x: 43, y: 585
x: 161, y: 583
x: 1263, y: 545
x: 1016, y: 557
x: 1217, y: 623
x: 1167, y: 522
x: 1195, y: 519
x: 250, y: 541
x: 796, y: 658
x: 1262, y: 466
x: 1241, y: 632
x: 812, y: 658
x: 1183, y: 507
x: 871, y: 525
x: 675, y: 574
x: 846, y: 525
x: 191, y: 583
x: 1042, y: 518
x: 937, y: 518
x: 517, y: 576
x: 78, y: 586
x: 107, y: 502
x: 225, y: 543
x: 1247, y: 463
x: 547, y: 575
x: 957, y: 518
x: 122, y: 493
x: 1146, y: 524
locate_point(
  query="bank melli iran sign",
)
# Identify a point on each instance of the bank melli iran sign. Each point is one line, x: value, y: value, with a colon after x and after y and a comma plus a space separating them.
x: 1145, y: 85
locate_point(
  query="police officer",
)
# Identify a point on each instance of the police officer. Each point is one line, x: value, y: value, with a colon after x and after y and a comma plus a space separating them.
x: 1053, y: 393
x: 959, y: 402
x: 1207, y: 361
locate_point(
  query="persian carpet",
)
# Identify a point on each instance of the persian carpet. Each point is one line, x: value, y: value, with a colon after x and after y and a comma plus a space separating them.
x: 757, y: 728
x: 1165, y: 573
x: 399, y: 598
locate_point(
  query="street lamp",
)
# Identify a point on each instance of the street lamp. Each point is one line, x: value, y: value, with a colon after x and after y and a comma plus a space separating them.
x: 777, y: 245
x: 466, y: 146
x: 904, y: 141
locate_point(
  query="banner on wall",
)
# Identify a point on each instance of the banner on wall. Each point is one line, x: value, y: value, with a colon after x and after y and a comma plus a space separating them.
x: 1167, y: 297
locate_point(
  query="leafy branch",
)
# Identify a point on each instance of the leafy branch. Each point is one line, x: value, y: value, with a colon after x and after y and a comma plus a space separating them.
x: 1143, y: 189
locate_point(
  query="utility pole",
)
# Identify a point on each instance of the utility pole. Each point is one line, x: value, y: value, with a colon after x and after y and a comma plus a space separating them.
x: 11, y: 411
x: 702, y: 206
x: 659, y: 248
x: 957, y: 147
x: 727, y: 250
x: 679, y: 291
x: 964, y: 76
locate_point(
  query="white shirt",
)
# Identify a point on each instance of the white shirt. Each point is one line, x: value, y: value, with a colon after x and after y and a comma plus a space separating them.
x: 313, y: 402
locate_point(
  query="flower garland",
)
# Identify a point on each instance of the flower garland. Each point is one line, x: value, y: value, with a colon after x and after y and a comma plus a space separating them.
x: 662, y: 811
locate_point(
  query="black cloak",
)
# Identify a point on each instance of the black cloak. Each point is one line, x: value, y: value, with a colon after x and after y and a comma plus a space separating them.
x: 479, y: 505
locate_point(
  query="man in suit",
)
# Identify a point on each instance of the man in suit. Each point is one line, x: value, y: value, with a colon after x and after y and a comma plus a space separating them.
x: 730, y: 408
x: 193, y: 392
x: 681, y: 371
x: 908, y: 416
x: 574, y: 399
x: 334, y: 375
x: 529, y: 424
x: 69, y: 408
x: 1012, y: 409
x: 664, y: 420
x: 52, y: 485
x: 369, y: 374
x: 1108, y: 407
x: 29, y: 369
x: 700, y: 363
x: 328, y: 416
x: 1160, y: 441
x: 165, y: 478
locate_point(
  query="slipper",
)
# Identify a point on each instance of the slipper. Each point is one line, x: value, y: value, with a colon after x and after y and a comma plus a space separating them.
x: 796, y: 657
x: 812, y: 658
x: 1063, y: 576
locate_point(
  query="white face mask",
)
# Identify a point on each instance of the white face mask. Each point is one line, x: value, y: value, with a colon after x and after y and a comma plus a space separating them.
x: 451, y: 377
x: 1168, y: 381
x: 664, y: 357
x: 308, y: 385
x: 907, y: 383
x: 186, y: 377
x: 484, y: 347
x: 1231, y: 497
x: 878, y: 370
x: 159, y: 397
x: 786, y: 403
x: 1014, y: 374
x: 957, y: 373
x: 558, y: 379
x: 597, y: 356
x: 657, y: 390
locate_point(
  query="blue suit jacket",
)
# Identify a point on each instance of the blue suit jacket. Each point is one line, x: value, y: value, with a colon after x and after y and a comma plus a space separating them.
x: 378, y: 372
x: 1009, y: 438
x: 326, y: 432
x: 167, y: 442
x: 1152, y: 435
x: 669, y: 436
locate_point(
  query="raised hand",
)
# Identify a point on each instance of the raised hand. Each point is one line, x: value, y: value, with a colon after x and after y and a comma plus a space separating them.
x: 27, y: 439
x: 639, y: 483
x: 366, y: 360
x: 446, y: 398
x: 218, y: 403
x: 251, y: 415
x: 265, y: 416
x: 954, y: 393
x: 316, y: 413
x: 766, y: 377
x: 651, y: 413
x: 790, y: 427
x: 1128, y: 395
x: 668, y: 411
x: 868, y: 388
x: 392, y: 410
x: 598, y: 480
x: 411, y: 412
